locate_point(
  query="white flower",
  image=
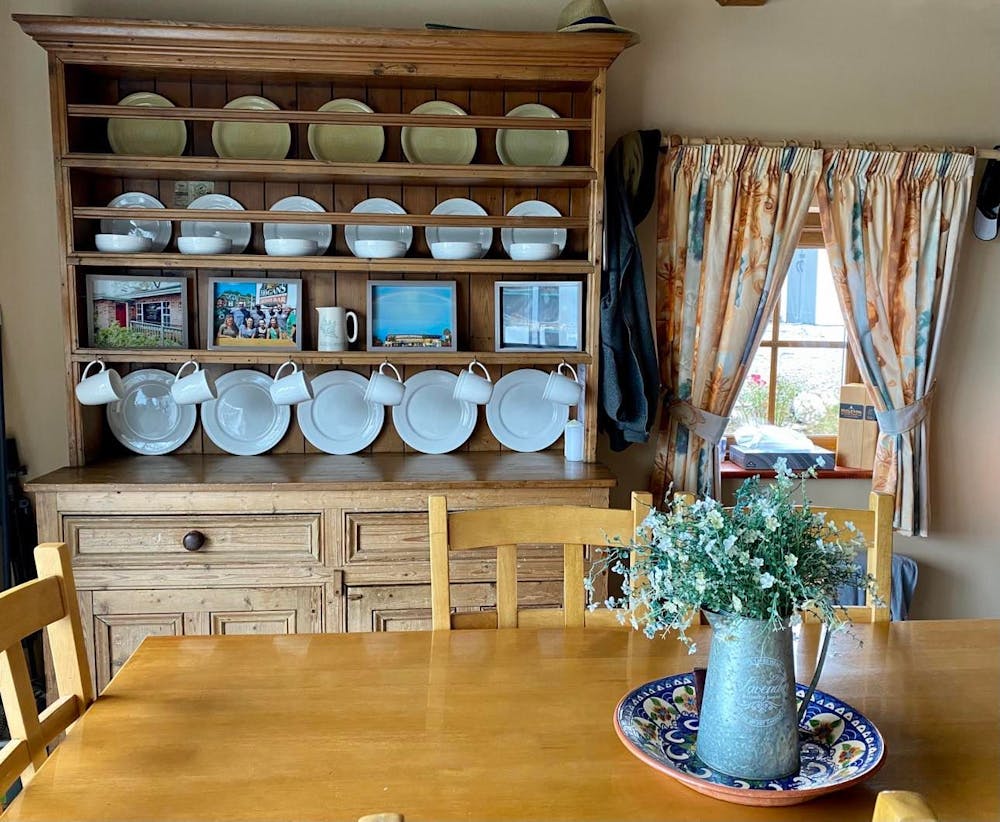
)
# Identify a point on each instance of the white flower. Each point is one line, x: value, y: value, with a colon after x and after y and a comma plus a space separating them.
x: 771, y: 523
x: 715, y: 519
x: 744, y: 557
x: 757, y: 562
x: 766, y: 580
x: 737, y: 603
x: 849, y: 525
x: 728, y: 543
x: 791, y: 560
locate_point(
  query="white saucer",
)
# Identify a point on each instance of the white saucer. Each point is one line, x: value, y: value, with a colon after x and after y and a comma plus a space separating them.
x: 157, y: 231
x: 244, y: 420
x: 533, y: 208
x: 378, y: 205
x: 519, y: 417
x: 147, y: 420
x: 429, y: 419
x: 321, y: 234
x: 238, y: 233
x: 338, y: 420
x: 460, y: 234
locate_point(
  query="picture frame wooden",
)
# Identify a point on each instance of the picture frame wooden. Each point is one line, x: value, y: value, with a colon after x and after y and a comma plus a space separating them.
x: 136, y: 311
x: 538, y: 315
x: 264, y: 300
x: 412, y: 315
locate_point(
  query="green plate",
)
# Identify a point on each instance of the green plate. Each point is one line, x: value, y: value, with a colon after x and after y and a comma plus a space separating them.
x: 147, y: 138
x: 251, y: 141
x: 532, y: 147
x: 434, y: 145
x: 345, y: 143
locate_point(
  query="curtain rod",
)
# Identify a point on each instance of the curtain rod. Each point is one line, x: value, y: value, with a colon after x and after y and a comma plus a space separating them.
x: 674, y: 140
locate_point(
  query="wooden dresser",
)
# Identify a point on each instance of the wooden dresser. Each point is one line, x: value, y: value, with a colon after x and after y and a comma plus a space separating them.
x: 296, y: 540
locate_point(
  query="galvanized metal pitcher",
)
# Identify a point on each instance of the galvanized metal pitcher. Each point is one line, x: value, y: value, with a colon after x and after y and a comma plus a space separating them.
x: 747, y: 724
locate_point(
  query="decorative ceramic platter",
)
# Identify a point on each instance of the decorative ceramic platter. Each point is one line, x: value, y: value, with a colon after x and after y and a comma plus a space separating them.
x: 533, y: 208
x: 433, y: 144
x: 430, y: 419
x: 156, y: 230
x: 147, y: 420
x: 321, y: 234
x: 244, y: 140
x: 839, y: 747
x: 378, y: 205
x: 346, y: 143
x: 532, y: 147
x: 237, y: 233
x: 148, y: 138
x: 338, y: 420
x: 520, y: 417
x: 243, y: 419
x: 483, y: 235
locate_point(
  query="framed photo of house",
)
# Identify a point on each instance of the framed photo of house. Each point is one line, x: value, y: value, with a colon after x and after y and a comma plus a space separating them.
x: 254, y: 314
x: 539, y: 316
x: 406, y: 315
x: 130, y: 311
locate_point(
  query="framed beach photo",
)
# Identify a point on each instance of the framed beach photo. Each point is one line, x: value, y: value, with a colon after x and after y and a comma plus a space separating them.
x: 129, y: 311
x: 263, y: 315
x: 404, y: 315
x: 539, y: 316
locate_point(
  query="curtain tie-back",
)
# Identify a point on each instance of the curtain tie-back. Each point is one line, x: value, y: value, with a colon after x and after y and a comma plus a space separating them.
x: 710, y: 427
x: 895, y: 421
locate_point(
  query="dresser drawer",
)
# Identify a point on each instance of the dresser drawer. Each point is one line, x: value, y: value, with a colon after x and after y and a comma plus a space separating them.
x: 152, y: 541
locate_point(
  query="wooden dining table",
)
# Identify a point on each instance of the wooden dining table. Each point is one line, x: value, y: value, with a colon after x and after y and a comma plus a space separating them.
x: 487, y: 724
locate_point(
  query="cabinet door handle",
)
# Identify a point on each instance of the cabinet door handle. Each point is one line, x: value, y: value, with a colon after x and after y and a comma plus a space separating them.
x: 193, y: 540
x: 355, y: 597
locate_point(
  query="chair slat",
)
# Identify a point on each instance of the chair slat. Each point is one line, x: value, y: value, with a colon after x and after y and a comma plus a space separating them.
x: 507, y: 586
x: 473, y: 619
x: 573, y: 594
x: 545, y: 524
x: 541, y: 618
x: 14, y: 760
x: 437, y: 512
x: 19, y: 704
x: 59, y: 716
x: 28, y: 608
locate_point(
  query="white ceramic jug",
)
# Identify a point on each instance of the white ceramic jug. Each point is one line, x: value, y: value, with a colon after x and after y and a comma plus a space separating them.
x: 333, y: 334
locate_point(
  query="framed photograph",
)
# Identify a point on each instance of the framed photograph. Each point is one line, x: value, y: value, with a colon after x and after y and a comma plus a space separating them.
x: 539, y: 316
x: 254, y: 314
x: 404, y: 315
x: 129, y: 311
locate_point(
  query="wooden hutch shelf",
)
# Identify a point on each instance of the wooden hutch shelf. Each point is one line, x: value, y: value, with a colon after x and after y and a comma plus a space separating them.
x: 297, y: 540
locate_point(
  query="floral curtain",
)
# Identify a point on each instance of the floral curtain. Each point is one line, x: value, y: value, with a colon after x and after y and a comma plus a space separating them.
x: 729, y: 218
x: 893, y: 223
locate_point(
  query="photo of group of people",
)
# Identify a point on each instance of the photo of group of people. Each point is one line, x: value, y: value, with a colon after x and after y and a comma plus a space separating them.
x: 255, y: 313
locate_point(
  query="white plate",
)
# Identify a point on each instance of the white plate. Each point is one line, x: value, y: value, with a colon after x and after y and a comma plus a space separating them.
x: 238, y: 233
x: 346, y: 143
x: 338, y: 420
x: 145, y: 137
x: 429, y: 419
x: 322, y: 234
x: 147, y: 420
x: 435, y: 144
x: 533, y: 208
x: 244, y: 140
x: 460, y: 234
x: 244, y: 420
x: 532, y: 146
x: 158, y: 231
x: 519, y: 417
x: 378, y: 205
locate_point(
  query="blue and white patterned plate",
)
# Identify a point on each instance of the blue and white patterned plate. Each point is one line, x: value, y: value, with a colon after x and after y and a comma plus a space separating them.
x: 839, y: 747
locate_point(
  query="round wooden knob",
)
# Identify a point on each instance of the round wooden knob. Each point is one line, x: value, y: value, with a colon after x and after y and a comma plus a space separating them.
x: 193, y: 540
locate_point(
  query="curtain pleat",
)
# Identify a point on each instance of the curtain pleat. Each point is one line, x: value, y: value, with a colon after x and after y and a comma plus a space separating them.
x: 729, y: 219
x: 893, y: 224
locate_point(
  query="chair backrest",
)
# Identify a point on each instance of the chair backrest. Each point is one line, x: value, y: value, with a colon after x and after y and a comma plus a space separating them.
x: 506, y: 528
x: 875, y: 523
x: 47, y: 602
x: 902, y: 806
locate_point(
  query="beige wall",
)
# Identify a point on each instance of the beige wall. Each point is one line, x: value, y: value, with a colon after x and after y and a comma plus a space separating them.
x: 909, y: 71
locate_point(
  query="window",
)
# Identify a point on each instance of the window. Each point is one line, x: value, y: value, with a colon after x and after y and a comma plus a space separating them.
x: 795, y: 377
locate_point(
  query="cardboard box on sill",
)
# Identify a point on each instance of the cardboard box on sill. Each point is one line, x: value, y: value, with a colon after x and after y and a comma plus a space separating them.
x: 857, y: 429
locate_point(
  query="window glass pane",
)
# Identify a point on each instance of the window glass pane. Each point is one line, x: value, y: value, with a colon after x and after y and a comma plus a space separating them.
x: 808, y: 393
x: 751, y: 404
x: 809, y: 306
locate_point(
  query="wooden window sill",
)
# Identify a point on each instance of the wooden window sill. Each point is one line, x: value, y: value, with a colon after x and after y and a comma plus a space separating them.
x: 730, y: 470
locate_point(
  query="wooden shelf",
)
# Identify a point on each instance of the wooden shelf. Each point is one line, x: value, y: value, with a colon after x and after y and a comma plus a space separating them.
x: 326, y: 217
x: 261, y: 262
x: 314, y: 171
x: 402, y: 358
x: 330, y: 118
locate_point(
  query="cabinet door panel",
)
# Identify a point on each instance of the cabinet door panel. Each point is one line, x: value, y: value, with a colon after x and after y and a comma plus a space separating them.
x: 116, y: 636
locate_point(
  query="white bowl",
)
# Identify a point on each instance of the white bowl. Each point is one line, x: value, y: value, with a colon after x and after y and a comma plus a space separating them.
x: 122, y: 243
x: 533, y: 251
x: 379, y: 249
x: 456, y: 251
x: 291, y: 247
x: 204, y: 245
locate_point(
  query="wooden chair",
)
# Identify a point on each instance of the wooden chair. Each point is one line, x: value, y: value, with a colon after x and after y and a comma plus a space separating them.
x: 902, y: 806
x: 47, y: 602
x: 875, y: 523
x: 506, y: 528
